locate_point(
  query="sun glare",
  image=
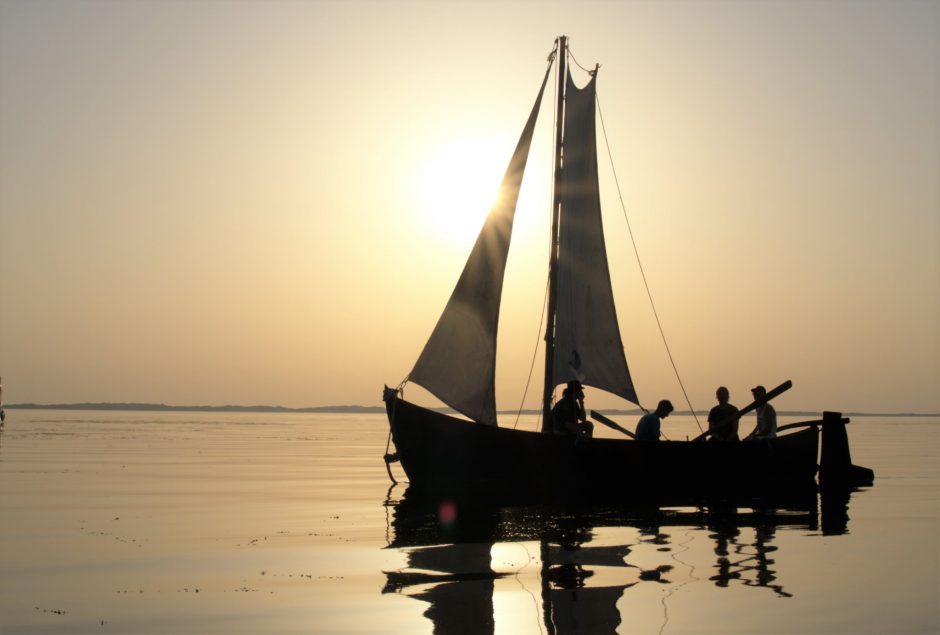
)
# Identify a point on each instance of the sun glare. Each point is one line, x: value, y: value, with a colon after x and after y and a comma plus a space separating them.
x: 459, y: 185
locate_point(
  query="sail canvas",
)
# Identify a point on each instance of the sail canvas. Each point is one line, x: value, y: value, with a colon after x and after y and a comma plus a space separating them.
x: 458, y: 363
x: 588, y: 346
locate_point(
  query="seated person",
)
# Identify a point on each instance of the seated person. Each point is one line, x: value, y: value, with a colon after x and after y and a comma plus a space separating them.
x: 723, y: 418
x: 648, y: 427
x: 766, y: 416
x: 568, y: 414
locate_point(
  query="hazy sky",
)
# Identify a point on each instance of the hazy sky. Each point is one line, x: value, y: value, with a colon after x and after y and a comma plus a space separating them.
x: 270, y: 202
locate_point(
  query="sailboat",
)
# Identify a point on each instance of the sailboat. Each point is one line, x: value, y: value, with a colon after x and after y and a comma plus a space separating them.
x: 451, y: 457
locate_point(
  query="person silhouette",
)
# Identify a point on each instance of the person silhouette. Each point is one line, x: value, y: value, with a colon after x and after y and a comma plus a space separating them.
x: 766, y: 416
x: 568, y: 415
x: 722, y: 419
x: 648, y: 428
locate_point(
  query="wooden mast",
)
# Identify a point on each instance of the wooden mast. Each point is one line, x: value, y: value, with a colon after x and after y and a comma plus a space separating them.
x: 553, y: 257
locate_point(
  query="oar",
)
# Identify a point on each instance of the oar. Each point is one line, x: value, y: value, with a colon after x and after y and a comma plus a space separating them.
x: 782, y: 388
x: 610, y: 423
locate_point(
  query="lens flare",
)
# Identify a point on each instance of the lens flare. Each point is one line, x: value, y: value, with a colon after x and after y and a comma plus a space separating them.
x: 447, y: 513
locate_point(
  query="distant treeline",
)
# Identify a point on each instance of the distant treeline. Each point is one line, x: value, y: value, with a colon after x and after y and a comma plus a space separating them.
x: 159, y: 407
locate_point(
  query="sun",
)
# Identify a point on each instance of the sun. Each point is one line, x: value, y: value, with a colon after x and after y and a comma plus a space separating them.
x: 459, y: 185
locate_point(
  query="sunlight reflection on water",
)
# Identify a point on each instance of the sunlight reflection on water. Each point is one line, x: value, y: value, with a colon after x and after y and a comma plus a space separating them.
x: 241, y: 523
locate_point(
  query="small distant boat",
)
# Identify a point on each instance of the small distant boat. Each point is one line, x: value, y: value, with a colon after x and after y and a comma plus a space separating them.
x: 448, y: 456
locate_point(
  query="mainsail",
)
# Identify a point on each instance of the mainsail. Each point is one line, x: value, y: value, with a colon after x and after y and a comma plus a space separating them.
x: 588, y: 346
x: 458, y: 363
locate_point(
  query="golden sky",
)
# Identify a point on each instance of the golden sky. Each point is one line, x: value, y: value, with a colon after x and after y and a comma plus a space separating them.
x: 270, y: 202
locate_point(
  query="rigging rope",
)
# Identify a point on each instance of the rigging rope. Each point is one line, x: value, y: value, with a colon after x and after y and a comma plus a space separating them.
x: 391, y: 425
x: 578, y: 64
x: 535, y: 352
x: 636, y: 252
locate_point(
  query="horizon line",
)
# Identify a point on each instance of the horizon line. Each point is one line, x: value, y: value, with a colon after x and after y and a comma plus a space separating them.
x: 151, y: 407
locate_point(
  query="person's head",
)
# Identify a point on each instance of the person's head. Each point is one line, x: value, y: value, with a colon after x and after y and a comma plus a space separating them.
x: 759, y: 392
x: 664, y: 408
x: 722, y: 395
x: 575, y: 390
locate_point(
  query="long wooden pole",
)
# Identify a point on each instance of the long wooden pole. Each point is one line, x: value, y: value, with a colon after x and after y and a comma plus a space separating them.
x: 610, y: 423
x: 553, y: 257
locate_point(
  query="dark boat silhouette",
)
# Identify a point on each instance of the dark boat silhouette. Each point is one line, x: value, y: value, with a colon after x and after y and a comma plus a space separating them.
x: 447, y: 456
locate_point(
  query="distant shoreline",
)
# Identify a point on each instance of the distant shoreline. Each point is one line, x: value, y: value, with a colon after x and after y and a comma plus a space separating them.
x: 146, y: 407
x: 152, y: 407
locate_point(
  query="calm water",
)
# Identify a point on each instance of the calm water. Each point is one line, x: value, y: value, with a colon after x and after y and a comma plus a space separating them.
x: 119, y: 522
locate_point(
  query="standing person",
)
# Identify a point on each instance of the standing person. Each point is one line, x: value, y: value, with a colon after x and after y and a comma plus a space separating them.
x: 766, y: 416
x: 568, y: 415
x: 648, y: 427
x: 723, y: 413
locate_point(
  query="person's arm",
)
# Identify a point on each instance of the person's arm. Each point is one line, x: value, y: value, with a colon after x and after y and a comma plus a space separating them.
x: 765, y: 417
x: 756, y: 429
x: 733, y: 428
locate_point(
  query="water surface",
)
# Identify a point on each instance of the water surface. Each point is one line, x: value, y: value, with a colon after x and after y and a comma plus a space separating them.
x: 138, y: 522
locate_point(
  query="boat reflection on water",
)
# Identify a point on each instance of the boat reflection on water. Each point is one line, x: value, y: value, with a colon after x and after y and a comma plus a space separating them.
x: 581, y: 561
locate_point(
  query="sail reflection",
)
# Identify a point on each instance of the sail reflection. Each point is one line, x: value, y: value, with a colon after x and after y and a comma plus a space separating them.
x: 456, y: 580
x: 583, y: 565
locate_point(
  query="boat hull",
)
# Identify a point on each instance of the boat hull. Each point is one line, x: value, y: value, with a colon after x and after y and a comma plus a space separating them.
x: 448, y: 457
